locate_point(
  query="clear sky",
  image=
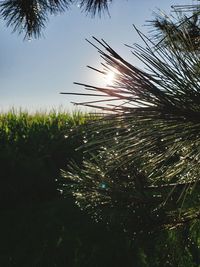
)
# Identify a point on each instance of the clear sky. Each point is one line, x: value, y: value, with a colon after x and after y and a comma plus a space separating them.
x: 33, y: 73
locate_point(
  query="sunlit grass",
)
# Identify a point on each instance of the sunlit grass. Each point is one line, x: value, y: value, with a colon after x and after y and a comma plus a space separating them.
x: 34, y: 147
x: 20, y: 120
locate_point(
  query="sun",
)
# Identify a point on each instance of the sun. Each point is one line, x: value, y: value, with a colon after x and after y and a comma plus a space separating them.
x: 110, y: 76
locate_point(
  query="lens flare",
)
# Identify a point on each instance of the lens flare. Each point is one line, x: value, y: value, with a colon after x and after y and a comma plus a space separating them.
x: 110, y: 76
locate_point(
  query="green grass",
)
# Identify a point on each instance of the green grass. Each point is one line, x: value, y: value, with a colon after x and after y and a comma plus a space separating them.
x: 21, y: 121
x: 38, y: 227
x: 34, y: 148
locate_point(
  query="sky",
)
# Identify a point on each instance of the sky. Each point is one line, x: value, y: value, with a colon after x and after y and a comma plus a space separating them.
x: 34, y: 72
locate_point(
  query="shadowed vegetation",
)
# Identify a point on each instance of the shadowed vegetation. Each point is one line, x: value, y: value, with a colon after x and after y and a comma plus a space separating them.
x: 143, y: 170
x: 33, y: 149
x: 136, y: 170
x: 30, y: 17
x: 40, y: 228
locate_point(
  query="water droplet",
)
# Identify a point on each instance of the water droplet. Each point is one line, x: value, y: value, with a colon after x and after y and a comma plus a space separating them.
x: 103, y: 185
x: 116, y: 140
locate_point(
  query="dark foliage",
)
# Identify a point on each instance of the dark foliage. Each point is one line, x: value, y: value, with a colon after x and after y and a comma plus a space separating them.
x: 33, y: 150
x: 30, y: 16
x: 143, y: 172
x: 178, y: 27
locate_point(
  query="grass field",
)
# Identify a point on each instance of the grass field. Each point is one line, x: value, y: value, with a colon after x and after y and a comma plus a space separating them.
x: 33, y: 149
x: 38, y: 227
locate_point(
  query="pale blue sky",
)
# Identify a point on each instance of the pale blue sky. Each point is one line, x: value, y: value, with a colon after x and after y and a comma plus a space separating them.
x: 33, y: 73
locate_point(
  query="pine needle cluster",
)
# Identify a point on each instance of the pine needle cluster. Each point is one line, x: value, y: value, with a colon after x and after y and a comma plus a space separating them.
x: 143, y: 171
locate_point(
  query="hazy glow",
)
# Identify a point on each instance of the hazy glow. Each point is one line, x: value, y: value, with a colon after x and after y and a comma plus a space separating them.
x: 110, y: 76
x: 56, y: 61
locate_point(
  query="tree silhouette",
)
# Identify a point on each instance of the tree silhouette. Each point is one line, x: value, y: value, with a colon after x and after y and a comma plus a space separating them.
x: 143, y: 166
x: 167, y: 27
x: 31, y: 16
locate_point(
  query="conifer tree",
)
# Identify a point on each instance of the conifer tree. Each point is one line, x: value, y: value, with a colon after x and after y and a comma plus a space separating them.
x: 142, y: 166
x: 30, y: 16
x: 185, y: 21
